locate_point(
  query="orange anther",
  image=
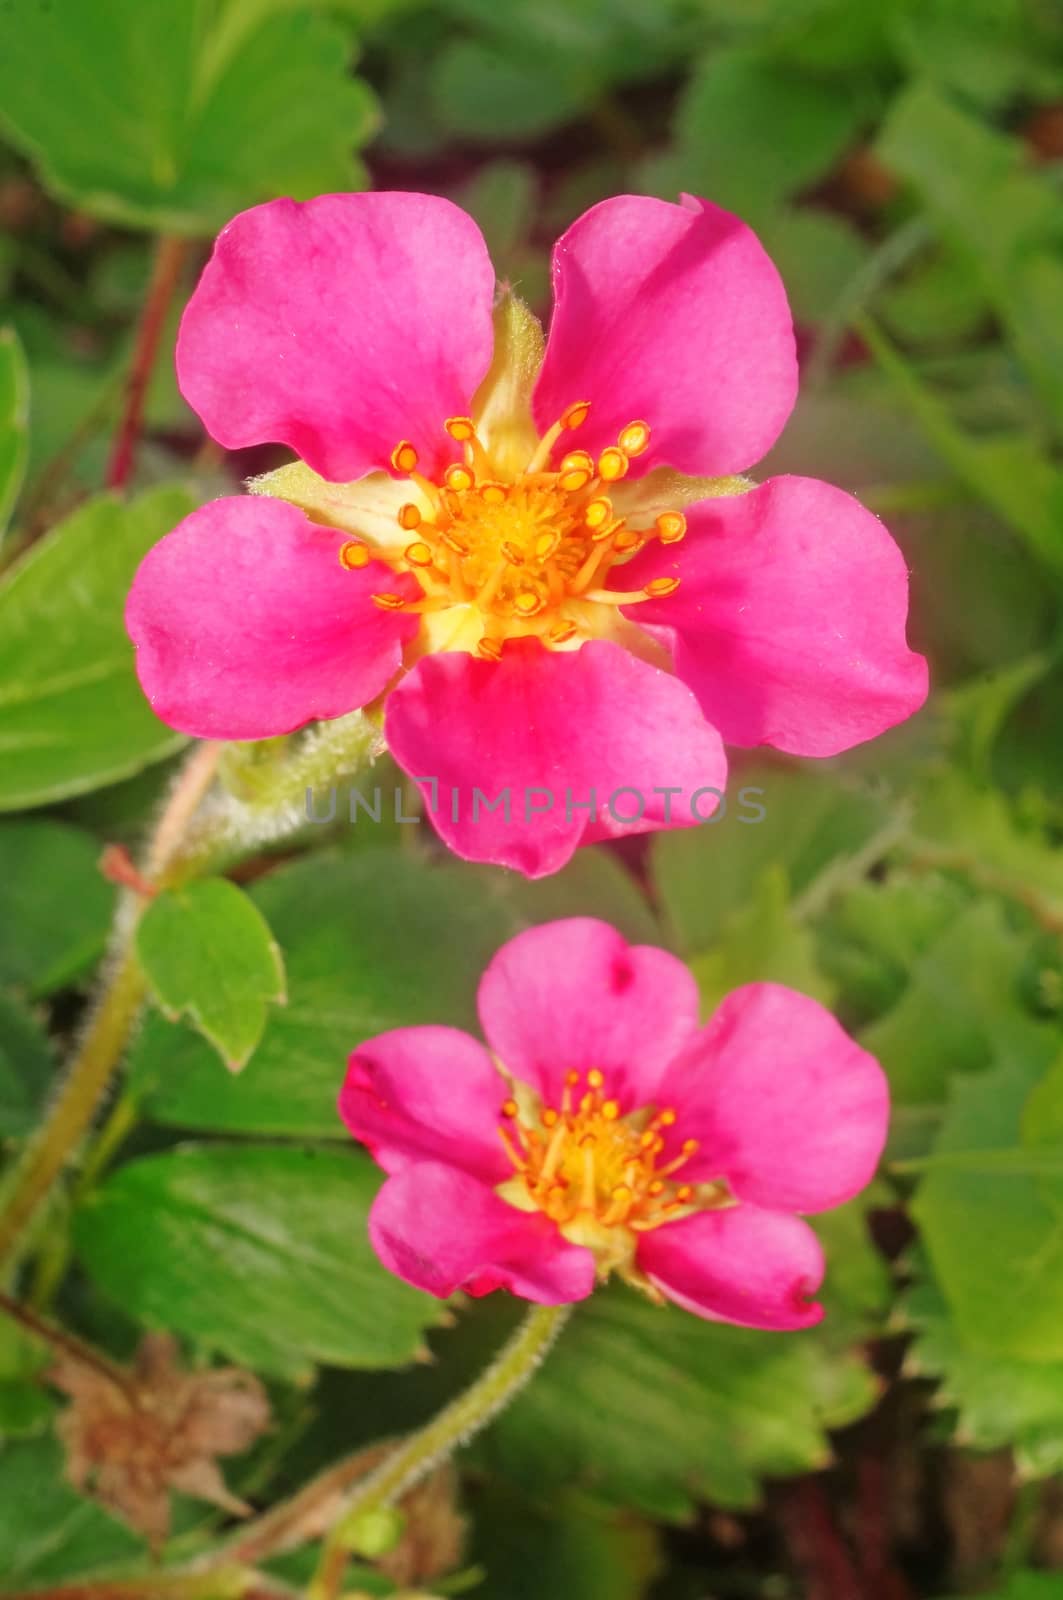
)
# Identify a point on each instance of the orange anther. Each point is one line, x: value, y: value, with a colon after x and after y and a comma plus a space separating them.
x: 549, y: 1116
x: 418, y: 554
x: 528, y: 603
x: 460, y: 428
x: 671, y: 526
x: 389, y: 602
x: 666, y: 1118
x: 611, y: 1110
x: 562, y: 633
x: 490, y: 649
x: 634, y: 438
x: 458, y: 478
x: 409, y: 517
x: 627, y: 540
x: 492, y: 493
x: 354, y: 555
x: 659, y: 588
x: 509, y: 1108
x: 404, y: 457
x: 595, y: 1078
x: 513, y: 554
x: 597, y: 512
x: 612, y: 464
x: 575, y: 415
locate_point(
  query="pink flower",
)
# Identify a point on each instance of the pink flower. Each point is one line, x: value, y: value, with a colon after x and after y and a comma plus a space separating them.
x: 603, y: 1130
x: 510, y: 537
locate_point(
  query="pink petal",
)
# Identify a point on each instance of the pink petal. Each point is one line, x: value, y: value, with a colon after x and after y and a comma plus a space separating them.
x: 672, y: 315
x: 339, y: 327
x: 551, y: 728
x: 442, y: 1230
x: 789, y: 1109
x: 789, y: 620
x: 246, y: 625
x: 427, y: 1094
x: 573, y: 995
x: 756, y: 1268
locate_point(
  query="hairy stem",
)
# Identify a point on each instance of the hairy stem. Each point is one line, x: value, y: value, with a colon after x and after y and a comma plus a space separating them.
x: 165, y: 274
x: 455, y: 1425
x: 104, y: 1040
x: 190, y: 838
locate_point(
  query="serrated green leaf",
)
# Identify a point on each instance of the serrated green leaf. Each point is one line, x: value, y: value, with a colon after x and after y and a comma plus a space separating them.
x: 652, y: 1407
x: 761, y: 942
x: 259, y: 1251
x: 207, y: 950
x: 55, y: 904
x: 1009, y: 472
x: 14, y: 422
x: 813, y: 826
x: 1000, y: 1401
x: 967, y: 172
x: 26, y: 1067
x: 751, y: 131
x: 370, y: 941
x: 995, y: 1241
x: 72, y: 714
x: 963, y: 1004
x: 172, y: 116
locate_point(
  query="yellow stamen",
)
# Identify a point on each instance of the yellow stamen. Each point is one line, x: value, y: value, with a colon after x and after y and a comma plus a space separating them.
x: 404, y: 457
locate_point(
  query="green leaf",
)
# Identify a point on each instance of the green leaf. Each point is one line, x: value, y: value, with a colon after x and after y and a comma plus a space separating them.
x: 1000, y: 1402
x: 751, y: 131
x: 963, y: 1003
x: 653, y: 1408
x: 817, y: 828
x: 571, y: 1551
x: 872, y: 936
x: 26, y: 1406
x: 994, y: 1237
x: 49, y: 1533
x: 55, y: 905
x: 762, y: 941
x: 26, y: 1067
x: 483, y: 92
x: 14, y: 422
x: 1009, y: 472
x: 364, y: 906
x: 260, y: 1252
x: 207, y: 950
x: 72, y: 714
x: 172, y: 116
x: 966, y: 172
x: 818, y: 254
x: 371, y: 941
x: 593, y: 884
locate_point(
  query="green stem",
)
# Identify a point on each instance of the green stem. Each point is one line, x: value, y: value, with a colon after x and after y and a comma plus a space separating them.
x: 189, y: 839
x: 455, y: 1425
x: 111, y: 1023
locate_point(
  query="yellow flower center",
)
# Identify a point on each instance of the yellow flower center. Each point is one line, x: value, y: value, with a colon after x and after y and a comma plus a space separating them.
x: 524, y: 554
x: 599, y: 1175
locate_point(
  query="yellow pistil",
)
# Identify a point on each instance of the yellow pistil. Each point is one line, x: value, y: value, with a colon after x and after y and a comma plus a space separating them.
x: 523, y: 554
x: 601, y: 1176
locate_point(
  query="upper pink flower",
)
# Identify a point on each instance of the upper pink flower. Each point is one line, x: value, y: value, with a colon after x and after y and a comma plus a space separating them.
x: 510, y: 537
x: 604, y: 1131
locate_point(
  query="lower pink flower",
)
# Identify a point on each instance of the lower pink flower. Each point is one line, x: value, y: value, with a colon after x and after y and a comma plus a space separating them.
x: 603, y: 1130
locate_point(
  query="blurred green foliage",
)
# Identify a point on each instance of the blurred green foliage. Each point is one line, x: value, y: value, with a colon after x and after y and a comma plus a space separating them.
x: 903, y: 161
